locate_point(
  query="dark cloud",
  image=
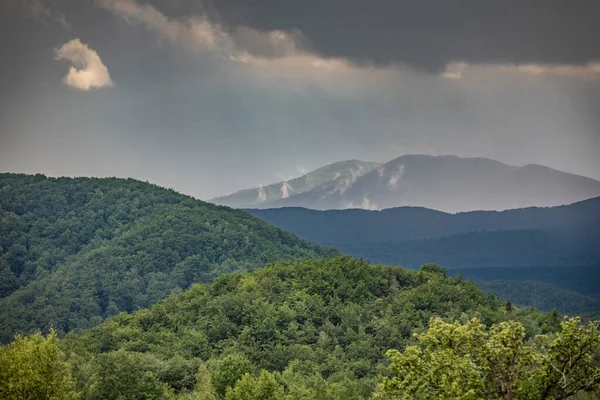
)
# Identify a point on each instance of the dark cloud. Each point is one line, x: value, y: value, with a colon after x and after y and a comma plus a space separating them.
x: 427, y: 34
x: 207, y: 125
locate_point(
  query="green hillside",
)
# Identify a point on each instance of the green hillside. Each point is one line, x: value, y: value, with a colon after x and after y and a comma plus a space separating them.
x: 75, y: 251
x: 322, y: 326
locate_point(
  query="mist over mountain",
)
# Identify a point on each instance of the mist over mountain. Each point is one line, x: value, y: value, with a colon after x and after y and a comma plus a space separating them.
x: 446, y: 183
x: 342, y: 172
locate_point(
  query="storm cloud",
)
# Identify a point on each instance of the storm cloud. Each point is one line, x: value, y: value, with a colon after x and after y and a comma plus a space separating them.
x: 429, y: 34
x: 215, y: 97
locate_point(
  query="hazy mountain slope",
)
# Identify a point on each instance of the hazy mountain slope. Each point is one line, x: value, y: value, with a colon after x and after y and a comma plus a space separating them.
x: 572, y: 245
x: 347, y: 227
x: 343, y: 171
x: 448, y: 183
x: 454, y: 184
x: 543, y: 296
x: 583, y: 280
x: 74, y: 251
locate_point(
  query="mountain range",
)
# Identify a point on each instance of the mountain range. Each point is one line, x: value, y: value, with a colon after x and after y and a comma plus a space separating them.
x: 446, y: 183
x: 74, y: 251
x: 559, y: 236
x: 554, y: 245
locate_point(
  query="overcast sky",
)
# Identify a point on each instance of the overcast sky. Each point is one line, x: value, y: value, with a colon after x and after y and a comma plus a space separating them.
x: 214, y: 96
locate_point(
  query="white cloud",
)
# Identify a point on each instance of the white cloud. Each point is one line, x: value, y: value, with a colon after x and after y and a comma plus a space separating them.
x: 262, y: 196
x: 367, y: 205
x: 88, y: 71
x: 285, y: 190
x: 396, y: 178
x: 346, y: 183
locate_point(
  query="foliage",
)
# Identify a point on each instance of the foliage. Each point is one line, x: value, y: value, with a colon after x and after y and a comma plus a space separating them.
x: 75, y: 251
x: 467, y: 361
x: 228, y: 371
x: 34, y: 367
x: 263, y: 387
x: 320, y: 327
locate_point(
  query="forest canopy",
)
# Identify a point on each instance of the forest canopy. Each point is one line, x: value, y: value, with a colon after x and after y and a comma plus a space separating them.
x: 334, y: 329
x: 75, y: 251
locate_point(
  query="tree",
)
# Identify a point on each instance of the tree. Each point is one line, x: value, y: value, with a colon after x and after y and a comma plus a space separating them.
x: 466, y: 361
x: 569, y: 366
x: 33, y: 367
x: 122, y: 375
x: 263, y: 387
x: 228, y: 371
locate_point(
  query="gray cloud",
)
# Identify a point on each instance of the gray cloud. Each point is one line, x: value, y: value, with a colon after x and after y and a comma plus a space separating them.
x: 186, y: 115
x: 428, y: 34
x: 45, y: 11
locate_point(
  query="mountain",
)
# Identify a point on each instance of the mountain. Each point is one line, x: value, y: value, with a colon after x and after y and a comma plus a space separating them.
x: 354, y: 226
x: 555, y: 245
x: 583, y: 280
x: 323, y: 327
x: 572, y: 245
x: 75, y: 251
x: 265, y: 196
x: 544, y: 296
x: 446, y: 183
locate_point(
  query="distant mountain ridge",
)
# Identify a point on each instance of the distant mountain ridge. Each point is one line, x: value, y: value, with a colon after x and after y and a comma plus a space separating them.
x: 543, y: 296
x: 342, y: 173
x: 354, y: 226
x: 446, y: 183
x: 555, y: 245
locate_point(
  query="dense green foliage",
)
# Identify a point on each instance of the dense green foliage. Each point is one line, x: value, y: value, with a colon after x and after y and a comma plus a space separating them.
x: 75, y: 251
x: 468, y: 362
x: 543, y: 296
x: 34, y: 368
x: 320, y: 329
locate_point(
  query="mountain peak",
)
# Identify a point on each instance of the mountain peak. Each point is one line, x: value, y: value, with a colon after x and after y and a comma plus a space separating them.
x: 443, y: 182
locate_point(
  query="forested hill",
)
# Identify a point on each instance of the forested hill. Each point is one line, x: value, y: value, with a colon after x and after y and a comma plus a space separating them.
x: 75, y: 251
x: 321, y: 327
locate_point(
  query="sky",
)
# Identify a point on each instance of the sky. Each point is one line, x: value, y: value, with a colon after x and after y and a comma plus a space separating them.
x: 208, y: 97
